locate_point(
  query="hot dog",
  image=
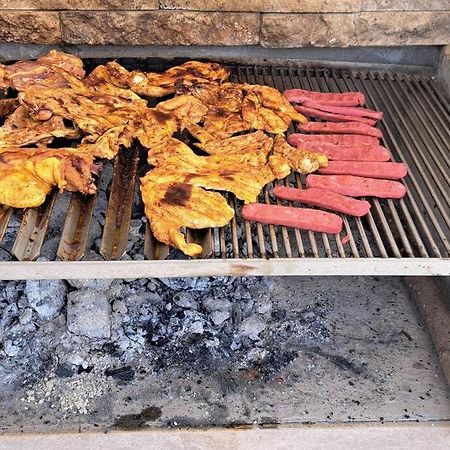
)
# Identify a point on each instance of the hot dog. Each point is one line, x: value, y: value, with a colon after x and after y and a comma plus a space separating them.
x: 345, y: 99
x: 348, y: 152
x: 324, y: 199
x: 303, y: 218
x: 348, y: 111
x: 345, y: 139
x: 343, y: 127
x: 369, y: 169
x: 357, y: 186
x: 311, y: 112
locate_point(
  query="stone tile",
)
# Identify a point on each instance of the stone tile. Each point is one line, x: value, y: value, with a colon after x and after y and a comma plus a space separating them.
x: 311, y: 30
x: 405, y: 5
x: 160, y: 28
x: 402, y: 28
x: 30, y: 27
x: 79, y: 4
x: 264, y: 6
x: 363, y: 29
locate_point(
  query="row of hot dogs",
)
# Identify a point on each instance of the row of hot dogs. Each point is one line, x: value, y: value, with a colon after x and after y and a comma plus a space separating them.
x: 358, y: 165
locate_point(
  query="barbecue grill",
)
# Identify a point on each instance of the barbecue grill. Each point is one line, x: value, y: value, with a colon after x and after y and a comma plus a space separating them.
x: 405, y: 237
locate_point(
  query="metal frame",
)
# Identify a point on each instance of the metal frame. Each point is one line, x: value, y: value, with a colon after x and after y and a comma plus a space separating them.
x: 219, y: 267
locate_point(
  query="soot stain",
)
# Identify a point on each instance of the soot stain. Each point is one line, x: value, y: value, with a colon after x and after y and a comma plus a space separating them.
x: 339, y: 361
x: 138, y: 421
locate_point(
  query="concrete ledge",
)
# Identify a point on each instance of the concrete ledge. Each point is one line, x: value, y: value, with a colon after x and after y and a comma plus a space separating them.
x: 407, y: 436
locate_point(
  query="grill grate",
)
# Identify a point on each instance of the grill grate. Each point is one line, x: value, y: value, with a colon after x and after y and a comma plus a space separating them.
x: 409, y: 236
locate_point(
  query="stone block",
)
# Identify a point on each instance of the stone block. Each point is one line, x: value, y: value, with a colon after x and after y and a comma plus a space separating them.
x: 360, y: 29
x: 160, y: 28
x: 62, y: 5
x: 306, y: 6
x: 30, y: 27
x: 307, y: 30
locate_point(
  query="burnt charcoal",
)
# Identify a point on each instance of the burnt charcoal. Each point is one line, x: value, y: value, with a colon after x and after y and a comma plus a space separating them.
x: 122, y: 374
x: 64, y: 372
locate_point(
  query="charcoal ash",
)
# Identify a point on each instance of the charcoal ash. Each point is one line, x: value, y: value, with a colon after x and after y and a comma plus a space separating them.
x: 46, y: 297
x: 68, y: 358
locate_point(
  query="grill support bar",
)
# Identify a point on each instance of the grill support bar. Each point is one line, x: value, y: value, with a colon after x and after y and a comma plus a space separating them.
x: 233, y: 267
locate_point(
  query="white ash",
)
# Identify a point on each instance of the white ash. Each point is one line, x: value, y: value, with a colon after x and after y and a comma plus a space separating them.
x: 96, y: 284
x: 89, y: 314
x: 46, y: 297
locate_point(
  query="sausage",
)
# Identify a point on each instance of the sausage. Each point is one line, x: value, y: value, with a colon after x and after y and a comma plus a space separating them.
x: 369, y: 169
x: 349, y: 152
x: 343, y: 127
x: 303, y: 218
x: 344, y: 139
x: 357, y: 186
x: 324, y: 199
x: 311, y: 112
x: 336, y: 99
x: 348, y: 111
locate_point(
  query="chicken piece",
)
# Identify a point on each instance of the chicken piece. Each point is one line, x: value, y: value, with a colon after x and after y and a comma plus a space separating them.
x: 27, y: 175
x: 161, y: 84
x: 174, y: 192
x: 261, y: 118
x: 8, y: 106
x: 257, y: 143
x: 153, y: 126
x: 274, y: 100
x: 223, y: 124
x: 300, y: 160
x: 196, y: 70
x: 186, y: 108
x: 20, y: 129
x: 42, y: 72
x: 229, y: 97
x: 242, y: 173
x: 225, y: 97
x: 172, y: 206
x: 100, y: 116
x: 279, y: 166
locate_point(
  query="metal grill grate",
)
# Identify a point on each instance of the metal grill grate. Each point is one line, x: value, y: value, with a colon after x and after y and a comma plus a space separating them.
x: 409, y: 236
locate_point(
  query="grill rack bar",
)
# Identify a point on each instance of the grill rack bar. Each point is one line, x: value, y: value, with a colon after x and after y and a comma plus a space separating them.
x: 410, y: 236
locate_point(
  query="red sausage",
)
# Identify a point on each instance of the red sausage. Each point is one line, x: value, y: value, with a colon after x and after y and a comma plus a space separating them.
x: 324, y: 199
x: 344, y: 127
x: 369, y: 169
x: 311, y: 112
x: 304, y: 218
x: 356, y: 112
x: 344, y: 139
x: 357, y: 186
x: 345, y: 99
x: 349, y: 152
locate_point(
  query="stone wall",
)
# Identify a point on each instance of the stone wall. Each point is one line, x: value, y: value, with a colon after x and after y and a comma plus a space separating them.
x: 270, y: 23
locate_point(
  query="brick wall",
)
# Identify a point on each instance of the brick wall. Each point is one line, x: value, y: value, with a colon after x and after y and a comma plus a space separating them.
x: 270, y: 23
